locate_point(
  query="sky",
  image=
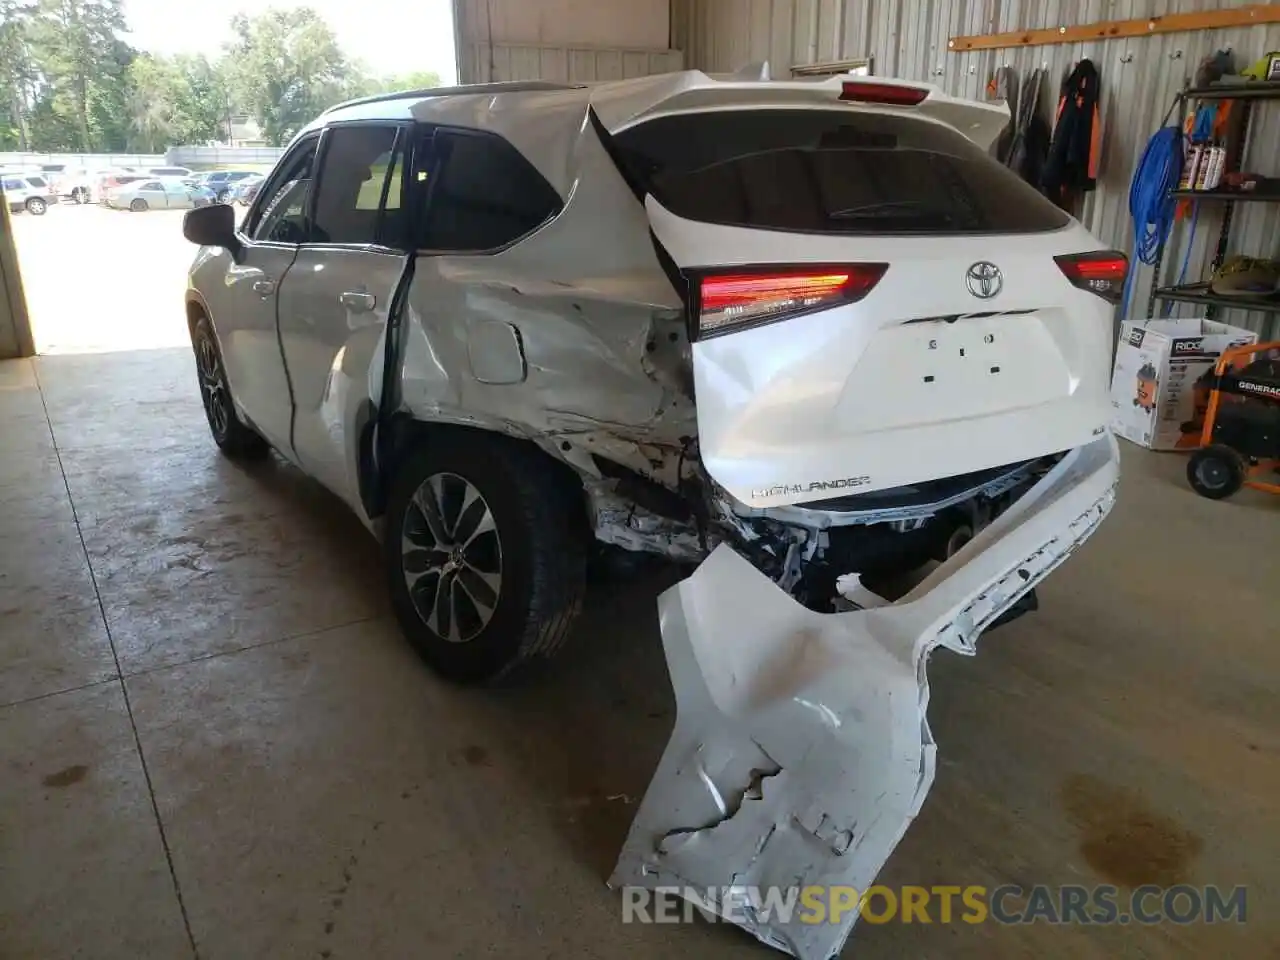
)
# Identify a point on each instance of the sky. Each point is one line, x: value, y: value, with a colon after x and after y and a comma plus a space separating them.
x: 389, y: 36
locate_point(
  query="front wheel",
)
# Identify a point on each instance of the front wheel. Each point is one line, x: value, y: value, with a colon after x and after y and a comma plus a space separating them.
x: 36, y: 207
x: 232, y: 436
x: 138, y: 206
x: 224, y: 196
x: 80, y: 195
x: 485, y: 550
x: 1216, y: 471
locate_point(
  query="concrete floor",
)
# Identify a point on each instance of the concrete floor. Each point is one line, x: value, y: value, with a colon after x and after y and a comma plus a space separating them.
x: 213, y: 741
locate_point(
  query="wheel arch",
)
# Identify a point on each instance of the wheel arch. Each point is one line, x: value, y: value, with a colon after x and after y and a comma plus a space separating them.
x: 408, y: 434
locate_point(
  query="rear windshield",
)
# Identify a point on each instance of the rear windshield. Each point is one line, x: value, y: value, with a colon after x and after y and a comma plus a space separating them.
x: 830, y: 171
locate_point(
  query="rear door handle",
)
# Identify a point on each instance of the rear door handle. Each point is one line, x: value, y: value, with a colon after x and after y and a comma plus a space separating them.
x: 357, y: 301
x: 264, y: 288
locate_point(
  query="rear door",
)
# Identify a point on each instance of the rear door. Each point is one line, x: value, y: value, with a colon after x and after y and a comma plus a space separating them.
x: 334, y: 303
x: 873, y: 301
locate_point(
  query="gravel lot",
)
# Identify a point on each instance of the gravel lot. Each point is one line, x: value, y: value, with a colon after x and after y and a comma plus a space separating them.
x: 102, y: 280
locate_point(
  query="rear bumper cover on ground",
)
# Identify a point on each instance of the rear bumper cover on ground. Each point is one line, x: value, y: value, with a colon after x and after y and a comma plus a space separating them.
x: 801, y: 750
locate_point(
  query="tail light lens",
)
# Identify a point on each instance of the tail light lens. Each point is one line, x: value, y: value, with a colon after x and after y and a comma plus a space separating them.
x: 1102, y: 272
x: 888, y: 93
x: 736, y: 301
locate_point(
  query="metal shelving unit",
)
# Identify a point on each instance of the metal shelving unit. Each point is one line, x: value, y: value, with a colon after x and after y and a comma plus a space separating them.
x: 1199, y: 292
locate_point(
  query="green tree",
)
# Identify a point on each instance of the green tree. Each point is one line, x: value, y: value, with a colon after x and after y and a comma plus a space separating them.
x: 17, y: 76
x: 285, y: 68
x: 154, y: 89
x: 76, y: 49
x: 175, y: 100
x: 204, y: 101
x: 417, y: 80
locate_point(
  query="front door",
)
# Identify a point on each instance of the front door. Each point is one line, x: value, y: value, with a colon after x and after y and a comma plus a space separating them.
x: 334, y: 303
x: 247, y: 301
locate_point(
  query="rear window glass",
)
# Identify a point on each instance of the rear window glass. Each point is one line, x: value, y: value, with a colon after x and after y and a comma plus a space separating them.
x: 830, y: 171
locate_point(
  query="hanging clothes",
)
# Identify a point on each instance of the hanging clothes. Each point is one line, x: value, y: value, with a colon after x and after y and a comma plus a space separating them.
x: 1072, y: 167
x: 1029, y: 145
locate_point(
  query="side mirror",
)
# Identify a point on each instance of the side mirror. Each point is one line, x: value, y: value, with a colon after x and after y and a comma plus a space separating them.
x: 213, y: 226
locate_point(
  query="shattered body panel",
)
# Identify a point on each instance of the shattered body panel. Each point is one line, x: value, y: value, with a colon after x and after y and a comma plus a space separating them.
x: 802, y: 751
x: 589, y: 338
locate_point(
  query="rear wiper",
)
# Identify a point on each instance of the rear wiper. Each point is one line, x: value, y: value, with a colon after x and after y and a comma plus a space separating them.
x: 886, y: 208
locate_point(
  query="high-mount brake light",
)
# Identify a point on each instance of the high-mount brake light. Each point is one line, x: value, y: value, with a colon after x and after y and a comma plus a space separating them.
x: 1101, y: 272
x: 891, y: 94
x: 735, y: 301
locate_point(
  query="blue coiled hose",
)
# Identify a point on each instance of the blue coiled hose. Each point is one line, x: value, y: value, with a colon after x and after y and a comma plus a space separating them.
x: 1150, y: 204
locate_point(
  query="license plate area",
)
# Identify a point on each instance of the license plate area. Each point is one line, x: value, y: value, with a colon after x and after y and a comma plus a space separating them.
x: 946, y: 369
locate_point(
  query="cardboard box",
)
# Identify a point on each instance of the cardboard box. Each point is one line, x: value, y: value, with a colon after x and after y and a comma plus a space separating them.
x: 1153, y: 396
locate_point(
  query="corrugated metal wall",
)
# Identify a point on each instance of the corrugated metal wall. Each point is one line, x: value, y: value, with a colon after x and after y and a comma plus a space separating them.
x: 569, y: 41
x: 908, y: 39
x: 512, y: 61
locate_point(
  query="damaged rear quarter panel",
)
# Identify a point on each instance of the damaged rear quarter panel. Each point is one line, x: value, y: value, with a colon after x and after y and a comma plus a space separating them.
x: 584, y: 296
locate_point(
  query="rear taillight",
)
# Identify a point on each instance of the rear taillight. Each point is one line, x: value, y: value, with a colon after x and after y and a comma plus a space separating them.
x: 888, y: 93
x: 1102, y: 272
x: 735, y: 301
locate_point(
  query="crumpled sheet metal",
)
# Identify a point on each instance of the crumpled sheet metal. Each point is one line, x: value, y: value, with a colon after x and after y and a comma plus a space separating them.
x: 802, y: 751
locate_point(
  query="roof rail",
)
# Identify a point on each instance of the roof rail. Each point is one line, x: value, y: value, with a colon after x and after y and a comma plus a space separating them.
x: 502, y: 86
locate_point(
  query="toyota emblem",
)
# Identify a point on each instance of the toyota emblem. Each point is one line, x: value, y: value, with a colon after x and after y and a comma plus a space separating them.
x: 984, y: 279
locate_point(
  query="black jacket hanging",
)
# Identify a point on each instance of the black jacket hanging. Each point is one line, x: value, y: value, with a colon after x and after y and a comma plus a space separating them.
x: 1072, y: 166
x: 1030, y: 142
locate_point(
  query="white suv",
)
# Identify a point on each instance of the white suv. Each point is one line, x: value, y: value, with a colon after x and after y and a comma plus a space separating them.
x: 25, y: 192
x: 806, y: 334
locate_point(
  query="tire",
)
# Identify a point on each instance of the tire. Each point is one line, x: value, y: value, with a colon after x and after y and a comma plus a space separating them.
x: 223, y: 196
x: 80, y: 195
x: 1216, y: 471
x: 138, y: 205
x: 529, y: 570
x: 233, y: 437
x: 36, y: 207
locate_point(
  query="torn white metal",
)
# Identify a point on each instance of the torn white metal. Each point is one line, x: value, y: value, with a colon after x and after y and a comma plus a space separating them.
x: 802, y: 751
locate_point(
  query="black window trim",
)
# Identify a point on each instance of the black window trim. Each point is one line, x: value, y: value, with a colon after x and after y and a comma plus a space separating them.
x: 268, y: 191
x: 403, y: 131
x: 439, y: 130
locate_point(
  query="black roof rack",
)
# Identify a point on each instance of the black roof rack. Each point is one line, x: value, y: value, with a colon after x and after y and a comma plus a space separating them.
x: 504, y: 86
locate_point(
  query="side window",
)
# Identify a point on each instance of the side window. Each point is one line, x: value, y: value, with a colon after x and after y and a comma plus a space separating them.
x: 280, y: 215
x: 151, y: 185
x: 357, y: 170
x: 486, y: 195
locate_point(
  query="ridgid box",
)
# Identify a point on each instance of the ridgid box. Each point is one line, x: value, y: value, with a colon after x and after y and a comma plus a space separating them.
x: 1153, y: 396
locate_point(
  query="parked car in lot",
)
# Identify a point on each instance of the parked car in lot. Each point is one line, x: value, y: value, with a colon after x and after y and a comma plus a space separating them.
x: 17, y: 196
x: 223, y: 182
x: 247, y: 189
x: 159, y: 194
x: 167, y: 171
x: 30, y: 192
x: 111, y: 180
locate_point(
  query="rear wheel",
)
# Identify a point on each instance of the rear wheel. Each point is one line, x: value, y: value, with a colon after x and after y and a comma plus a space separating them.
x: 80, y: 195
x: 36, y: 207
x: 234, y: 438
x: 224, y: 196
x: 485, y: 552
x: 1216, y: 471
x: 138, y: 206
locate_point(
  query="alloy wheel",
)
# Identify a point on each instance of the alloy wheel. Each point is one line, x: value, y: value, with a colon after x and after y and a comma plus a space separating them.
x: 213, y: 391
x: 451, y: 557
